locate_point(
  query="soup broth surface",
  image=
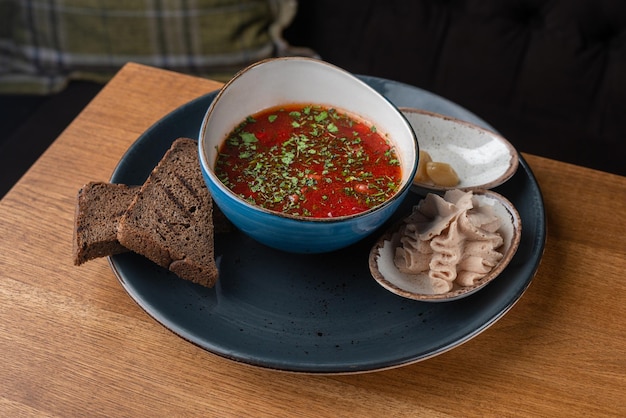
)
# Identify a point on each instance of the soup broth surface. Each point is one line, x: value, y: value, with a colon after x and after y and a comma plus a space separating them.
x: 309, y: 160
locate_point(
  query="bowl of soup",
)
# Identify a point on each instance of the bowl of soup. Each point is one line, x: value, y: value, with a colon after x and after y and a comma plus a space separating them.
x: 304, y: 157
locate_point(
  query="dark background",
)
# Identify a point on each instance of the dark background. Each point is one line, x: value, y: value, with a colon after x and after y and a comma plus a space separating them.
x: 549, y: 75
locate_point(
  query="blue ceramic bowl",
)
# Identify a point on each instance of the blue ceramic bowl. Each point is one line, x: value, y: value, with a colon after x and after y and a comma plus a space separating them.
x: 280, y: 81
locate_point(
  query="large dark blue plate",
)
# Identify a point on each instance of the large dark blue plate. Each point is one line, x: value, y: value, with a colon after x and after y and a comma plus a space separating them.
x: 318, y: 313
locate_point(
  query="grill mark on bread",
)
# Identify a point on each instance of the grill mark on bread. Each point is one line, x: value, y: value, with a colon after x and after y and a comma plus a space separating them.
x: 188, y: 186
x: 162, y: 220
x: 179, y: 205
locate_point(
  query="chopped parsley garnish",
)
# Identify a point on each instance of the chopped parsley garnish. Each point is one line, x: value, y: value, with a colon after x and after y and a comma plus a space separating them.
x: 309, y: 160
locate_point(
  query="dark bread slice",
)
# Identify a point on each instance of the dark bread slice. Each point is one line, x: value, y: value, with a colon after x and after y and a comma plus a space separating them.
x: 99, y: 206
x: 170, y: 221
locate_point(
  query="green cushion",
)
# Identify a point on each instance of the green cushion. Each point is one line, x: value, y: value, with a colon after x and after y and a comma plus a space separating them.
x: 44, y: 45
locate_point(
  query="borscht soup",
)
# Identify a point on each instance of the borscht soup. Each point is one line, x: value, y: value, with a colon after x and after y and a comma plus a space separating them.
x: 309, y: 160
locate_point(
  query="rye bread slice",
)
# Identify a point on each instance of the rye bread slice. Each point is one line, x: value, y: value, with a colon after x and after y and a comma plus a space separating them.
x: 170, y: 220
x: 99, y: 206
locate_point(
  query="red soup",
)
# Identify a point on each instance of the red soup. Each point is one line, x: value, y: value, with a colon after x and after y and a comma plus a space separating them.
x: 309, y: 160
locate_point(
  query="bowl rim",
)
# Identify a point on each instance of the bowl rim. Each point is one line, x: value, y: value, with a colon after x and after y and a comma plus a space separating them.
x: 460, y: 292
x: 209, y: 172
x: 513, y: 162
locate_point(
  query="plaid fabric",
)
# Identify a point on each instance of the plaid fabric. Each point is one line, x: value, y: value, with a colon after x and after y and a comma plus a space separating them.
x: 46, y: 43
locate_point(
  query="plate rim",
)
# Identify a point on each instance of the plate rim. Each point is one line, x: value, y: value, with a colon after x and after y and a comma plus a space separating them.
x: 538, y: 242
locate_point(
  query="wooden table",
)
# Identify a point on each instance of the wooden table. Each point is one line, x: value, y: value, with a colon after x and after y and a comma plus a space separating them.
x: 74, y: 343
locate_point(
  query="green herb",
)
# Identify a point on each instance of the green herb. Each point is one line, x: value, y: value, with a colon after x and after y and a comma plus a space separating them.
x: 288, y: 157
x: 248, y: 138
x: 321, y: 116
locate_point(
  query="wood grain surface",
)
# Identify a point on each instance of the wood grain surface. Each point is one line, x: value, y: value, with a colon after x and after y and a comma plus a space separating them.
x: 73, y: 343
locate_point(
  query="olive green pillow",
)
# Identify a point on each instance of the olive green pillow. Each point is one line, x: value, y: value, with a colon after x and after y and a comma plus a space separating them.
x: 43, y: 45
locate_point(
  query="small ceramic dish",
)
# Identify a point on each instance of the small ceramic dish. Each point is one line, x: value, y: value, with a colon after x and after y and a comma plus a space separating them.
x: 481, y: 158
x: 419, y: 286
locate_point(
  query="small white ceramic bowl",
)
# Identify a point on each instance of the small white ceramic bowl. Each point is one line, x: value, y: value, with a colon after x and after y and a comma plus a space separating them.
x: 281, y: 81
x: 481, y: 158
x: 417, y: 286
